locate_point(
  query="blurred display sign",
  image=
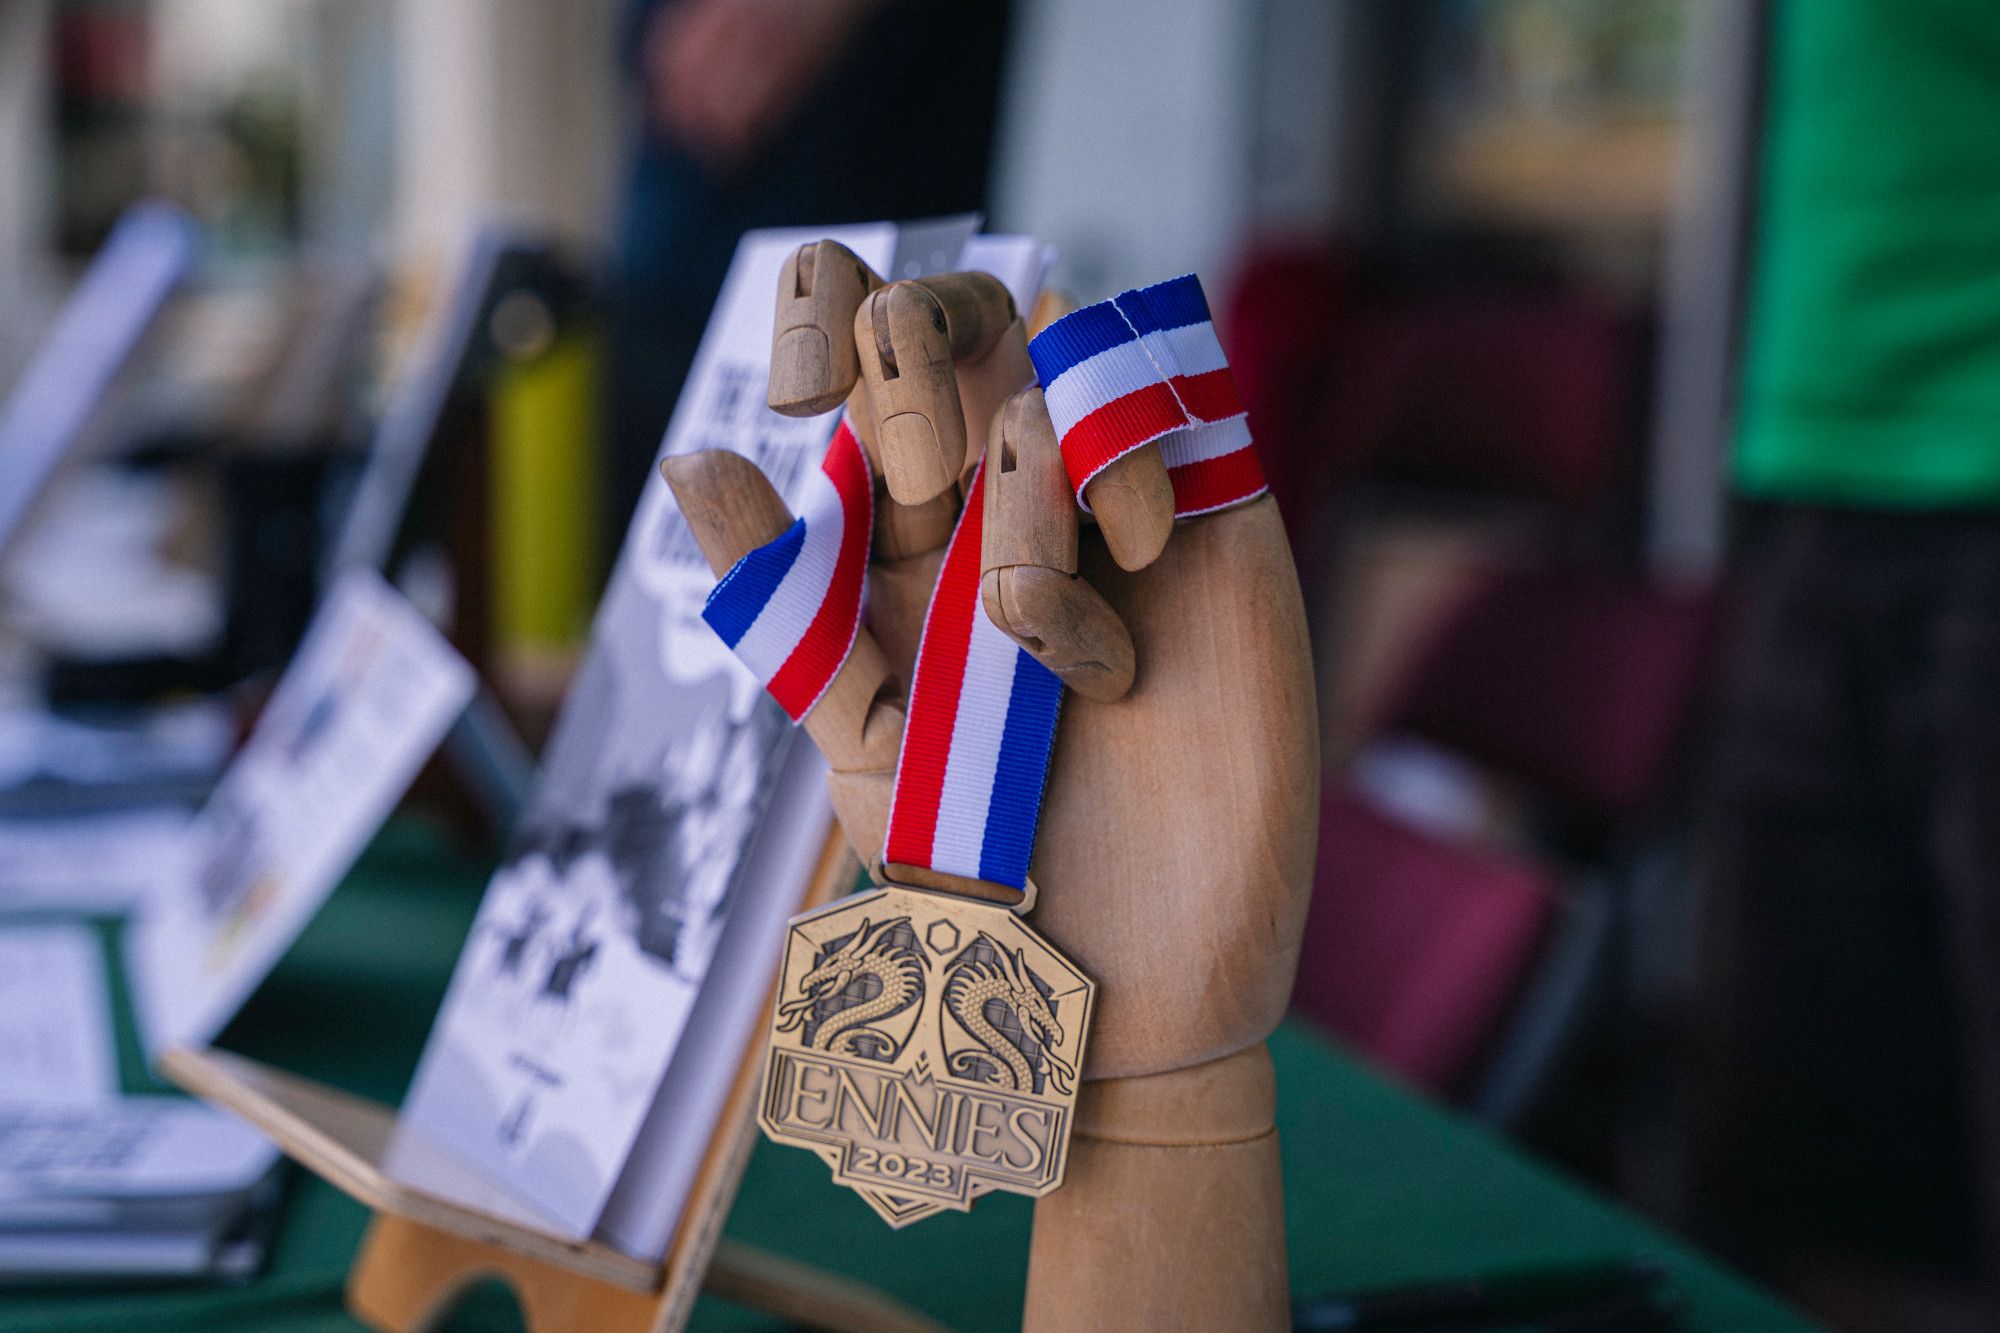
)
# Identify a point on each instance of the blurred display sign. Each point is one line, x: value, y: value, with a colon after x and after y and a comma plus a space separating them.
x: 145, y: 258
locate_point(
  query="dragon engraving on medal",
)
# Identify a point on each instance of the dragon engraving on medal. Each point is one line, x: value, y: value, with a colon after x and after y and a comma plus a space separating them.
x: 857, y: 982
x: 997, y: 999
x: 929, y: 1049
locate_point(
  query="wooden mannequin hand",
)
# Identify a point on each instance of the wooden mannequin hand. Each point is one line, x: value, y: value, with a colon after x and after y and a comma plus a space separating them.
x: 1177, y: 832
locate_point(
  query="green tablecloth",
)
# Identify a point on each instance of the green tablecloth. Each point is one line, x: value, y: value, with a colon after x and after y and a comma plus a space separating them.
x: 1380, y: 1186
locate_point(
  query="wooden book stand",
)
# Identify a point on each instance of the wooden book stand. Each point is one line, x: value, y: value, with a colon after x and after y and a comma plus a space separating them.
x: 422, y: 1253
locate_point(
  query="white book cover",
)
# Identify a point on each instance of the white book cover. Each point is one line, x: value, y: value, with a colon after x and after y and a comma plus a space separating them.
x: 365, y: 701
x: 55, y: 1017
x: 576, y: 988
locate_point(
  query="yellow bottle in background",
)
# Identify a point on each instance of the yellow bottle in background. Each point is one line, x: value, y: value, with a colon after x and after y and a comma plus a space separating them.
x: 545, y: 441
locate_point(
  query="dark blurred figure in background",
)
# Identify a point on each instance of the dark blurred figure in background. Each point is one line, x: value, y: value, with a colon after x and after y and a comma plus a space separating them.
x: 763, y: 113
x: 1853, y: 1123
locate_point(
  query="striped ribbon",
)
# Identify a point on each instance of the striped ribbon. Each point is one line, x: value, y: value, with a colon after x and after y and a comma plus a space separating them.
x: 1144, y: 366
x: 1141, y: 367
x: 982, y: 722
x: 790, y: 609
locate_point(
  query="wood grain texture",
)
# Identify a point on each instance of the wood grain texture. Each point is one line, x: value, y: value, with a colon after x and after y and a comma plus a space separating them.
x: 1031, y: 518
x: 905, y: 354
x: 1132, y: 499
x: 1178, y: 1236
x: 813, y: 361
x: 1028, y: 558
x: 1066, y: 624
x: 1177, y: 837
x: 977, y: 310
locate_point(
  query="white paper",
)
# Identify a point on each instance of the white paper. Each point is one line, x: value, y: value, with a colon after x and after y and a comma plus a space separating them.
x: 364, y: 703
x: 55, y: 1017
x: 126, y: 1149
x: 103, y: 863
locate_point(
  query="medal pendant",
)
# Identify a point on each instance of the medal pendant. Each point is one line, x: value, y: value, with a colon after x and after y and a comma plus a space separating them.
x: 928, y: 1047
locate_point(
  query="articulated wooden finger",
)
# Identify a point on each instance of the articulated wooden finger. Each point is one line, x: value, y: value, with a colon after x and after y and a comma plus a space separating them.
x: 813, y: 361
x: 901, y: 530
x: 985, y: 385
x: 908, y: 546
x: 977, y: 310
x: 908, y: 337
x: 904, y: 347
x: 1031, y: 517
x: 733, y: 509
x: 1133, y: 502
x: 1066, y: 624
x: 1028, y: 580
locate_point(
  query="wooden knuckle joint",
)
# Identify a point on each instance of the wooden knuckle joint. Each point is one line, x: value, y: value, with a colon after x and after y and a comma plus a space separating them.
x: 903, y: 344
x: 977, y: 310
x: 1066, y: 624
x: 1030, y: 515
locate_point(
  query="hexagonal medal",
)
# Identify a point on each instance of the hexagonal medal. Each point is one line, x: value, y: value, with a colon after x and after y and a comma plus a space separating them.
x: 928, y: 1047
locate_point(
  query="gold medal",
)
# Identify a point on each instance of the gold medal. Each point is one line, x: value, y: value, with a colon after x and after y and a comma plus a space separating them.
x: 928, y: 1046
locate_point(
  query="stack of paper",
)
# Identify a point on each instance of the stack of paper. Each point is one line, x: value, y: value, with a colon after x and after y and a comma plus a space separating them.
x: 94, y: 1183
x: 135, y: 1187
x: 97, y: 1184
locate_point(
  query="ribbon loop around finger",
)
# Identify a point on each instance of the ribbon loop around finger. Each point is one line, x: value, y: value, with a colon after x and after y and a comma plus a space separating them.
x: 1147, y: 366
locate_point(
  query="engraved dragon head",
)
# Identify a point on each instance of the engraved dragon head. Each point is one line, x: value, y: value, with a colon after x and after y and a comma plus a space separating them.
x: 1037, y: 1017
x: 864, y: 951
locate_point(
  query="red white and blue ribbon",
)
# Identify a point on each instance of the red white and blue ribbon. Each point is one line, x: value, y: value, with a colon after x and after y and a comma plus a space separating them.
x: 982, y: 722
x: 1142, y: 367
x: 1145, y: 366
x: 790, y: 609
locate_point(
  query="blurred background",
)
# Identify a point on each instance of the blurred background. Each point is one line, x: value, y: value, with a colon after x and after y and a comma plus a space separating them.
x: 1485, y: 271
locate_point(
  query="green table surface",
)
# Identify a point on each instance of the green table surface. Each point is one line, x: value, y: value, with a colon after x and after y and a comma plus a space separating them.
x: 1380, y: 1186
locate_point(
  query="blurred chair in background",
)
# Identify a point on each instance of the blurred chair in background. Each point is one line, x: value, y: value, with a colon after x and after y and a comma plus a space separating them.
x: 1460, y: 939
x: 1417, y: 945
x: 1363, y: 368
x: 1578, y: 684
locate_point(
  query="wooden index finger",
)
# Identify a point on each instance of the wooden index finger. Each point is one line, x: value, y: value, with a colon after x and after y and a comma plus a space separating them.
x: 813, y: 360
